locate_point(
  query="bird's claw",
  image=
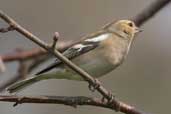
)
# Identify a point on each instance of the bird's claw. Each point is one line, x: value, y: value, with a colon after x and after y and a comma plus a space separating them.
x: 94, y: 86
x: 111, y: 100
x: 19, y: 101
x: 111, y: 97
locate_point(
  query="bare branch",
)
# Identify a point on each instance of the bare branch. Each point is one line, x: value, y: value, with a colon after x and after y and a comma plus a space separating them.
x: 73, y: 101
x: 2, y: 66
x: 4, y: 30
x: 150, y: 11
x: 31, y: 54
x: 22, y: 55
x: 21, y: 74
x: 37, y: 56
x: 55, y: 39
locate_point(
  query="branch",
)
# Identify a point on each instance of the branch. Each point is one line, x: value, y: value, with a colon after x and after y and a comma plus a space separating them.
x: 73, y: 101
x: 150, y: 11
x: 2, y: 65
x: 21, y: 74
x: 4, y: 30
x: 31, y: 54
x: 17, y: 55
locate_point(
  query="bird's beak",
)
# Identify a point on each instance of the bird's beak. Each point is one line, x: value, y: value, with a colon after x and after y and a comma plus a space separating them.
x: 137, y: 30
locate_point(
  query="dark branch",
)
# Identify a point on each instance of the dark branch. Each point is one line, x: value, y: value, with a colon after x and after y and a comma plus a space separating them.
x: 33, y: 53
x: 21, y: 74
x: 2, y: 65
x: 4, y: 30
x: 22, y: 55
x: 150, y: 11
x: 69, y: 101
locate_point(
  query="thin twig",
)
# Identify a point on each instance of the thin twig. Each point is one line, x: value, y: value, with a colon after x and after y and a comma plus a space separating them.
x: 73, y: 101
x: 21, y: 74
x: 4, y: 30
x: 150, y: 11
x: 2, y: 65
x: 55, y: 39
x: 22, y: 55
x: 32, y: 53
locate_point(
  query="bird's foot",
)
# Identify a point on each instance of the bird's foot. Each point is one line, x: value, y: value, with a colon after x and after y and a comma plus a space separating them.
x: 111, y: 101
x: 94, y: 86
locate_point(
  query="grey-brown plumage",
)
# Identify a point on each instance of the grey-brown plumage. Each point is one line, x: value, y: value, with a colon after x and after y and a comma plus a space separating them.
x: 98, y: 54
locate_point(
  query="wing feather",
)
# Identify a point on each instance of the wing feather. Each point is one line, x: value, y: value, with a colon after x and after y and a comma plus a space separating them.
x: 85, y: 46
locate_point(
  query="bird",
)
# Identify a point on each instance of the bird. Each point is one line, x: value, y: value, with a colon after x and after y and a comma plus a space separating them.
x: 98, y: 54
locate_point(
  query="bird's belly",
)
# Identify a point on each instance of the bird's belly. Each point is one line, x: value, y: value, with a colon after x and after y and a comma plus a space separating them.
x: 94, y: 63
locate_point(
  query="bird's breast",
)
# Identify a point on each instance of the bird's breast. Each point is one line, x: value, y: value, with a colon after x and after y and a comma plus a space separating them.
x: 115, y: 50
x: 94, y: 63
x: 102, y: 59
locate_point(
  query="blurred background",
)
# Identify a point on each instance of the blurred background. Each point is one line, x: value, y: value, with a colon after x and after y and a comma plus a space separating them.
x: 142, y: 81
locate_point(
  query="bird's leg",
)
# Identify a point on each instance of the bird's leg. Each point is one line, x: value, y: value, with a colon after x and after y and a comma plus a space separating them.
x: 19, y: 101
x: 113, y: 101
x: 111, y: 97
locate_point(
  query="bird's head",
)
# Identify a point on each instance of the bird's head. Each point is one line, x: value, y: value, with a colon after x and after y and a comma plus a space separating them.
x: 124, y: 28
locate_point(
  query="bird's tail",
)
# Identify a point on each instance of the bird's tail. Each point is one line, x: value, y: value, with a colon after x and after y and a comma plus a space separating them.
x: 21, y: 84
x: 55, y: 75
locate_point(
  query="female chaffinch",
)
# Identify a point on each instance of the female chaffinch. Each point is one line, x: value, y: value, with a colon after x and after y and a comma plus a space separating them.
x: 98, y: 54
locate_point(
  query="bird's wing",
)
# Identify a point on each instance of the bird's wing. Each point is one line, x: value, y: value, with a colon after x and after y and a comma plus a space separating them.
x: 91, y: 42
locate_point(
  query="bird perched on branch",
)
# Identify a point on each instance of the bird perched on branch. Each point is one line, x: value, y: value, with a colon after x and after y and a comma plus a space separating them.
x: 98, y: 54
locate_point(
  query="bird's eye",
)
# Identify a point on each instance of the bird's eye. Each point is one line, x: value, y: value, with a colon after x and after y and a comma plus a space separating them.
x: 130, y: 24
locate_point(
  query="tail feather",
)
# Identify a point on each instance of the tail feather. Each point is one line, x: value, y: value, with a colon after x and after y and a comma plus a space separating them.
x: 47, y: 69
x: 63, y: 74
x: 21, y: 84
